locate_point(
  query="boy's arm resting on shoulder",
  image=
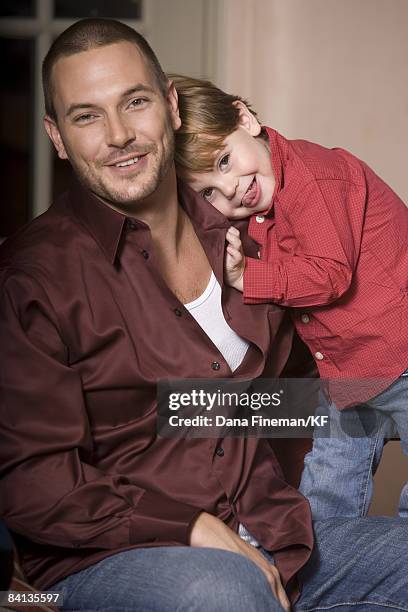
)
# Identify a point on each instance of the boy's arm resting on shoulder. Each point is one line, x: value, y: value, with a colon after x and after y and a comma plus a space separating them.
x: 48, y: 492
x: 326, y: 221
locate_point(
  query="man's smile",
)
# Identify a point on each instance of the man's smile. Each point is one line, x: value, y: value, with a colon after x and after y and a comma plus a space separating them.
x: 128, y: 163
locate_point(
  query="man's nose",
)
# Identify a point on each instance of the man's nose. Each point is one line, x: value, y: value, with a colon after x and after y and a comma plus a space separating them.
x: 119, y: 132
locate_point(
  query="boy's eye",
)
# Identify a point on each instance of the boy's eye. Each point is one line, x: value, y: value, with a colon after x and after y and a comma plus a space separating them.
x: 223, y: 163
x: 207, y: 193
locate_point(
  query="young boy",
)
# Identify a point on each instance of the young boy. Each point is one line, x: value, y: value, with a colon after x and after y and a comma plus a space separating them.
x: 333, y: 247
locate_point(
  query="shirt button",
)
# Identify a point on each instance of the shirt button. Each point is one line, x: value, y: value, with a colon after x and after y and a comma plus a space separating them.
x: 259, y: 218
x: 305, y: 318
x: 215, y: 365
x: 177, y: 312
x: 319, y: 355
x: 219, y: 451
x: 145, y: 254
x: 259, y: 254
x: 130, y: 224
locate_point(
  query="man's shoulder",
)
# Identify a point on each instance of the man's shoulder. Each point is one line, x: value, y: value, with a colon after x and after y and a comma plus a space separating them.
x: 42, y: 241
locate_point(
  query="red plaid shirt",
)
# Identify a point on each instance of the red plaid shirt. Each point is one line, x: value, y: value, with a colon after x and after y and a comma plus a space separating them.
x: 334, y: 248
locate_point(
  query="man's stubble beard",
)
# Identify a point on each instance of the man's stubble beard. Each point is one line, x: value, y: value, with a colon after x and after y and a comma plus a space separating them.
x: 132, y: 191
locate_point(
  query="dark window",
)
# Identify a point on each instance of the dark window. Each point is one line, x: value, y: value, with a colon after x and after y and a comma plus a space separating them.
x: 17, y: 8
x: 125, y: 9
x: 16, y: 127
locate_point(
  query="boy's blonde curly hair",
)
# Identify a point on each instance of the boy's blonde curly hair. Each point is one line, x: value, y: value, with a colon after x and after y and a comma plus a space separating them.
x: 208, y: 116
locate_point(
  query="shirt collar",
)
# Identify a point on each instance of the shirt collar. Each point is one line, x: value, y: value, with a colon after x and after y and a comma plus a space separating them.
x: 106, y: 225
x: 278, y: 148
x: 103, y: 223
x: 202, y: 214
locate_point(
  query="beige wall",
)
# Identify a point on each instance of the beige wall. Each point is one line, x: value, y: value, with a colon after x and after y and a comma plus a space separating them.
x: 332, y: 71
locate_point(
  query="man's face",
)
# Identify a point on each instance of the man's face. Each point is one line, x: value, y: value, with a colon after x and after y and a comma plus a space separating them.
x: 113, y: 123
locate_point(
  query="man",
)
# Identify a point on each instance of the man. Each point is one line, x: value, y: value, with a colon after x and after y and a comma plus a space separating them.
x: 94, y: 297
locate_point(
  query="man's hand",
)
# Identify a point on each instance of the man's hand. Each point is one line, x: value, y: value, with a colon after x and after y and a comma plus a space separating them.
x: 234, y: 260
x: 209, y: 531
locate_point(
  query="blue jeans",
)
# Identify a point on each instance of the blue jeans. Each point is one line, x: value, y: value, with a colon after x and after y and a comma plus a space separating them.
x: 338, y: 475
x: 358, y: 565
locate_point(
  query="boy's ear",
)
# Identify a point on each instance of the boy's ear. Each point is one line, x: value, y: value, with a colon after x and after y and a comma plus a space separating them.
x: 172, y: 100
x: 53, y: 132
x: 246, y: 119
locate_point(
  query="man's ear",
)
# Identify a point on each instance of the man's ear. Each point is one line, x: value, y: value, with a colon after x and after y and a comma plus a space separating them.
x: 53, y: 132
x: 246, y: 119
x: 172, y: 100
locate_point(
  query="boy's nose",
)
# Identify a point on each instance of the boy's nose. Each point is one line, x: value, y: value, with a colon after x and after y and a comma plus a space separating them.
x: 229, y: 187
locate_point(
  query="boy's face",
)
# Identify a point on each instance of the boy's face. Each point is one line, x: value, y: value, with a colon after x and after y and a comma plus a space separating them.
x: 241, y: 182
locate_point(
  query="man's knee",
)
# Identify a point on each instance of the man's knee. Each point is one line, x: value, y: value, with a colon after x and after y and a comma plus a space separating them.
x: 229, y: 582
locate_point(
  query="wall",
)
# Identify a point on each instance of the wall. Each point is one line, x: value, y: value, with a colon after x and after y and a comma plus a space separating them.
x: 333, y: 71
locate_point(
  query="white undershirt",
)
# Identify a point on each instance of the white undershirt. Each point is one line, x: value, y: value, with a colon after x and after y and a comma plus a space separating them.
x: 207, y: 311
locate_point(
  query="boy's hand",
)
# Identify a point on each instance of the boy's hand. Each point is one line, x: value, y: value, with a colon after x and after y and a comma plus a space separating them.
x: 234, y: 265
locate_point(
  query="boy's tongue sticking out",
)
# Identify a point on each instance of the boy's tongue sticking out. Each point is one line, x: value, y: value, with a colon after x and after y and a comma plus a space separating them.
x: 252, y: 194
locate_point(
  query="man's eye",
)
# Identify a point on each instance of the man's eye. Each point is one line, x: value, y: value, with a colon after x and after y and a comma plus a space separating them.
x: 207, y: 193
x: 223, y: 163
x: 137, y: 102
x: 84, y: 118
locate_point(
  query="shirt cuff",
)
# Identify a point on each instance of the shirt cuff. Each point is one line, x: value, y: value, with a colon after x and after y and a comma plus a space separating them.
x: 257, y: 284
x: 158, y: 518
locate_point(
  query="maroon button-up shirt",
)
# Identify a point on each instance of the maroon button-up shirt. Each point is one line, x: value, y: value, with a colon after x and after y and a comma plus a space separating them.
x: 334, y: 248
x: 87, y: 328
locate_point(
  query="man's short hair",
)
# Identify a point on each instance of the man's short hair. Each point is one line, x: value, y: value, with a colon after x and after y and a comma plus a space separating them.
x: 88, y: 34
x: 208, y: 115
